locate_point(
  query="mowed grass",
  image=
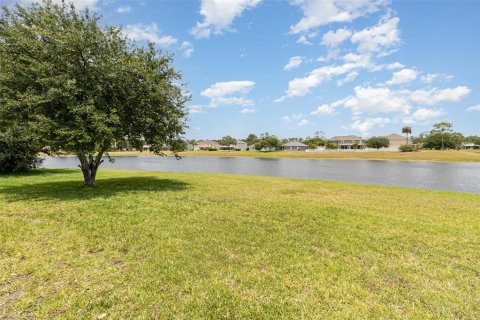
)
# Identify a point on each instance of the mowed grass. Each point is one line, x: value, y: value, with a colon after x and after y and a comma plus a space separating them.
x: 423, y: 155
x: 150, y: 245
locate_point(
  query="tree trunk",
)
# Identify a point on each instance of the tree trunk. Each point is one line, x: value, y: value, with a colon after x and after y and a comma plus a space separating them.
x: 89, y: 166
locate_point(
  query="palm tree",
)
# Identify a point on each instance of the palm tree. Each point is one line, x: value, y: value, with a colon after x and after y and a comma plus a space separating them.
x: 407, y: 131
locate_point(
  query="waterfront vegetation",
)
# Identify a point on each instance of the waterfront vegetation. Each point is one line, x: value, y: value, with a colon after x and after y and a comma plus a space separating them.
x: 196, y: 246
x: 423, y: 155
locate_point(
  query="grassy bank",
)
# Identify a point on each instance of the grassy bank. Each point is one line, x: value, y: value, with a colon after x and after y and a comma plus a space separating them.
x: 195, y: 246
x: 424, y: 155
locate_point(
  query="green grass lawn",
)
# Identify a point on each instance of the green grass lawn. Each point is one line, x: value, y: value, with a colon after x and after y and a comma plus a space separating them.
x: 423, y: 155
x: 201, y: 246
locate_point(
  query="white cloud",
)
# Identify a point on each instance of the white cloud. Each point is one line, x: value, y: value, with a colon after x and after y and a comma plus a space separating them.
x: 361, y: 61
x: 229, y: 93
x: 300, y: 118
x: 151, y: 33
x: 294, y: 62
x: 248, y: 110
x: 303, y: 122
x: 403, y: 76
x: 395, y: 65
x: 187, y: 48
x: 304, y: 40
x: 301, y: 86
x: 218, y: 15
x: 377, y: 100
x: 423, y: 115
x: 384, y: 100
x: 474, y: 108
x: 124, y: 9
x: 430, y: 77
x: 324, y: 109
x: 368, y: 124
x: 374, y: 100
x: 195, y: 109
x: 434, y: 96
x: 317, y: 13
x: 333, y: 39
x: 349, y: 78
x: 379, y: 38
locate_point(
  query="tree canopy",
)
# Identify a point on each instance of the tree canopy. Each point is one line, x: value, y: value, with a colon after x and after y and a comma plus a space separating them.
x: 407, y: 130
x: 268, y: 142
x: 377, y: 142
x: 251, y: 139
x: 80, y: 86
x: 227, y: 141
x: 18, y: 148
x: 441, y: 137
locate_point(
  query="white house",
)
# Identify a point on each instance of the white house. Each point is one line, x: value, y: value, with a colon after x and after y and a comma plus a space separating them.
x: 294, y: 146
x: 206, y: 145
x: 348, y: 142
x: 241, y: 145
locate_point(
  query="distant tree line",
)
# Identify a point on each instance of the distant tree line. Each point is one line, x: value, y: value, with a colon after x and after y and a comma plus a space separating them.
x: 442, y: 137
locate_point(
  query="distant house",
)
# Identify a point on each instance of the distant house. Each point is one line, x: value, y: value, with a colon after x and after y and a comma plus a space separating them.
x: 241, y: 145
x: 251, y: 147
x: 397, y: 140
x: 470, y: 145
x: 189, y: 147
x: 165, y: 147
x: 206, y: 145
x: 294, y: 146
x: 348, y: 142
x: 227, y: 148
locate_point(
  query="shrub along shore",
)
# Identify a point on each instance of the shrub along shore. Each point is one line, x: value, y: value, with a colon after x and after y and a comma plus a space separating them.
x: 196, y: 246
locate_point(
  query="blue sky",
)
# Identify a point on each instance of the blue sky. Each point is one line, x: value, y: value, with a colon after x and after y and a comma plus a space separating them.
x: 291, y: 68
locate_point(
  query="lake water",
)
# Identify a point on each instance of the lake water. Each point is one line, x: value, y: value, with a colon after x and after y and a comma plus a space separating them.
x: 463, y: 177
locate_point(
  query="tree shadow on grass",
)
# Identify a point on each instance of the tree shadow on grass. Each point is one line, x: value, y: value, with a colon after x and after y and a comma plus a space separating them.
x: 104, y: 188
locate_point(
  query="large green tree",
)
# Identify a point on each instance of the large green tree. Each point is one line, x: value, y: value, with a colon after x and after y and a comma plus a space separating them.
x: 228, y: 141
x: 444, y: 129
x: 268, y: 142
x: 473, y: 139
x: 441, y: 137
x: 251, y: 139
x: 377, y: 142
x: 81, y: 86
x: 18, y: 148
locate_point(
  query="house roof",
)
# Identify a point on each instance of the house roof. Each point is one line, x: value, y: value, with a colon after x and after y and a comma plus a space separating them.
x: 394, y: 136
x: 206, y: 142
x: 469, y: 144
x: 350, y: 137
x: 294, y: 144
